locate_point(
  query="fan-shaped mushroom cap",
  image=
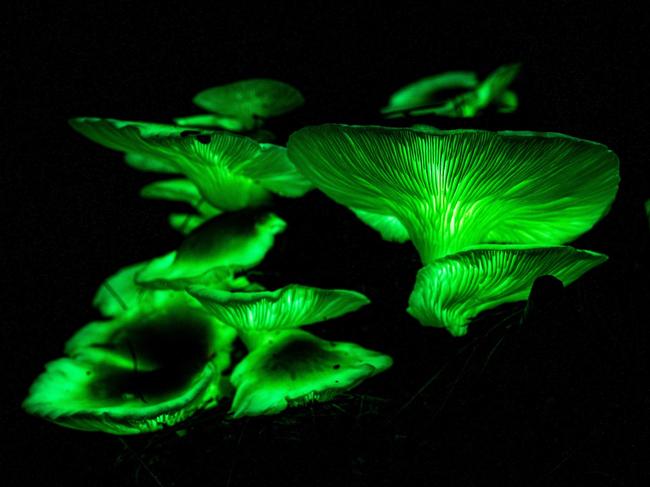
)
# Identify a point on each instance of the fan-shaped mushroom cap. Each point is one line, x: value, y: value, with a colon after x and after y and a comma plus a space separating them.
x: 230, y: 171
x: 182, y: 190
x: 456, y: 189
x: 452, y: 290
x: 298, y: 368
x: 135, y: 374
x: 248, y: 100
x: 223, y: 245
x: 288, y: 307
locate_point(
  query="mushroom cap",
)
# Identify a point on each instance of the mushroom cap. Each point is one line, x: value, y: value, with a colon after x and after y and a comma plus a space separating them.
x: 454, y: 289
x: 427, y: 91
x: 288, y: 307
x: 212, y: 252
x: 252, y: 97
x: 186, y: 223
x: 148, y: 163
x: 455, y: 189
x: 135, y: 374
x: 230, y: 171
x: 431, y: 95
x: 297, y: 368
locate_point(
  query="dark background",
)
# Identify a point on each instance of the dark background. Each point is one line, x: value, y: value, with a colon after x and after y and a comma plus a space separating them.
x: 561, y: 400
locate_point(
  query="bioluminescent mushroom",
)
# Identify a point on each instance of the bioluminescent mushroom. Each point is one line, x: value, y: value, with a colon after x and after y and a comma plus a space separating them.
x: 243, y: 105
x: 228, y: 243
x: 454, y: 289
x: 186, y: 223
x: 297, y: 368
x: 455, y: 189
x: 181, y: 190
x: 231, y: 171
x: 455, y: 94
x: 256, y: 314
x: 136, y: 373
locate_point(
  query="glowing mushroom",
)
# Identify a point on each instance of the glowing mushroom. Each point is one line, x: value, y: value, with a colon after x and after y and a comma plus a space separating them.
x: 455, y: 94
x: 297, y: 368
x: 214, y: 251
x: 137, y: 373
x: 231, y: 171
x: 244, y: 105
x: 454, y: 289
x: 285, y: 366
x: 455, y: 189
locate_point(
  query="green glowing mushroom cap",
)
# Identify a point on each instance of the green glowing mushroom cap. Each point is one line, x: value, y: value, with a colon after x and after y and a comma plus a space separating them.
x: 135, y: 374
x: 298, y: 368
x: 231, y: 171
x: 228, y: 243
x: 287, y: 307
x: 455, y: 189
x: 181, y: 190
x: 452, y: 290
x: 248, y: 100
x: 455, y: 94
x: 186, y: 223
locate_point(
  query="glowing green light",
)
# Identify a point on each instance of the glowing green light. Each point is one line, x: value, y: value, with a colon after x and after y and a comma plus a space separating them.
x: 150, y: 164
x: 439, y: 94
x: 242, y: 105
x: 186, y: 223
x: 231, y: 171
x: 182, y: 190
x: 288, y: 307
x: 297, y: 368
x: 213, y: 251
x: 136, y: 373
x: 452, y: 290
x: 455, y: 189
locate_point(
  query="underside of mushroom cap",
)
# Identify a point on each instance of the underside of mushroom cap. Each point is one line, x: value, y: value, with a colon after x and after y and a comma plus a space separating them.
x: 452, y: 290
x: 135, y: 374
x: 228, y: 243
x: 298, y: 368
x: 229, y: 170
x: 288, y: 307
x: 455, y: 189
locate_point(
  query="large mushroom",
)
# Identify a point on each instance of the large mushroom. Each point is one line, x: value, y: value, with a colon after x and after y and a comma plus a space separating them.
x: 455, y: 189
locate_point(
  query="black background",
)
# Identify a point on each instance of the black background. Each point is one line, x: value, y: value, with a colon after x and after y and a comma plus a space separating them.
x: 562, y: 400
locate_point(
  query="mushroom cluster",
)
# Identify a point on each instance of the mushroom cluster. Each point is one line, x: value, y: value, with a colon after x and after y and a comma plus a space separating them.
x: 488, y: 213
x: 164, y: 348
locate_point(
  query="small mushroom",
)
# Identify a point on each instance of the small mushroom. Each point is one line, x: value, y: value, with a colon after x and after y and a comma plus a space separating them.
x: 452, y: 290
x: 231, y: 171
x: 455, y: 189
x: 455, y: 94
x: 243, y: 105
x: 297, y: 368
x: 137, y: 373
x: 212, y: 252
x: 255, y: 314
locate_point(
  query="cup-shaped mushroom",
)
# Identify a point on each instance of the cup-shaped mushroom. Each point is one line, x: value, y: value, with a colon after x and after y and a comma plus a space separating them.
x: 452, y: 290
x: 243, y: 105
x: 231, y: 171
x: 257, y: 315
x: 137, y: 373
x: 455, y: 189
x: 297, y: 368
x: 228, y: 243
